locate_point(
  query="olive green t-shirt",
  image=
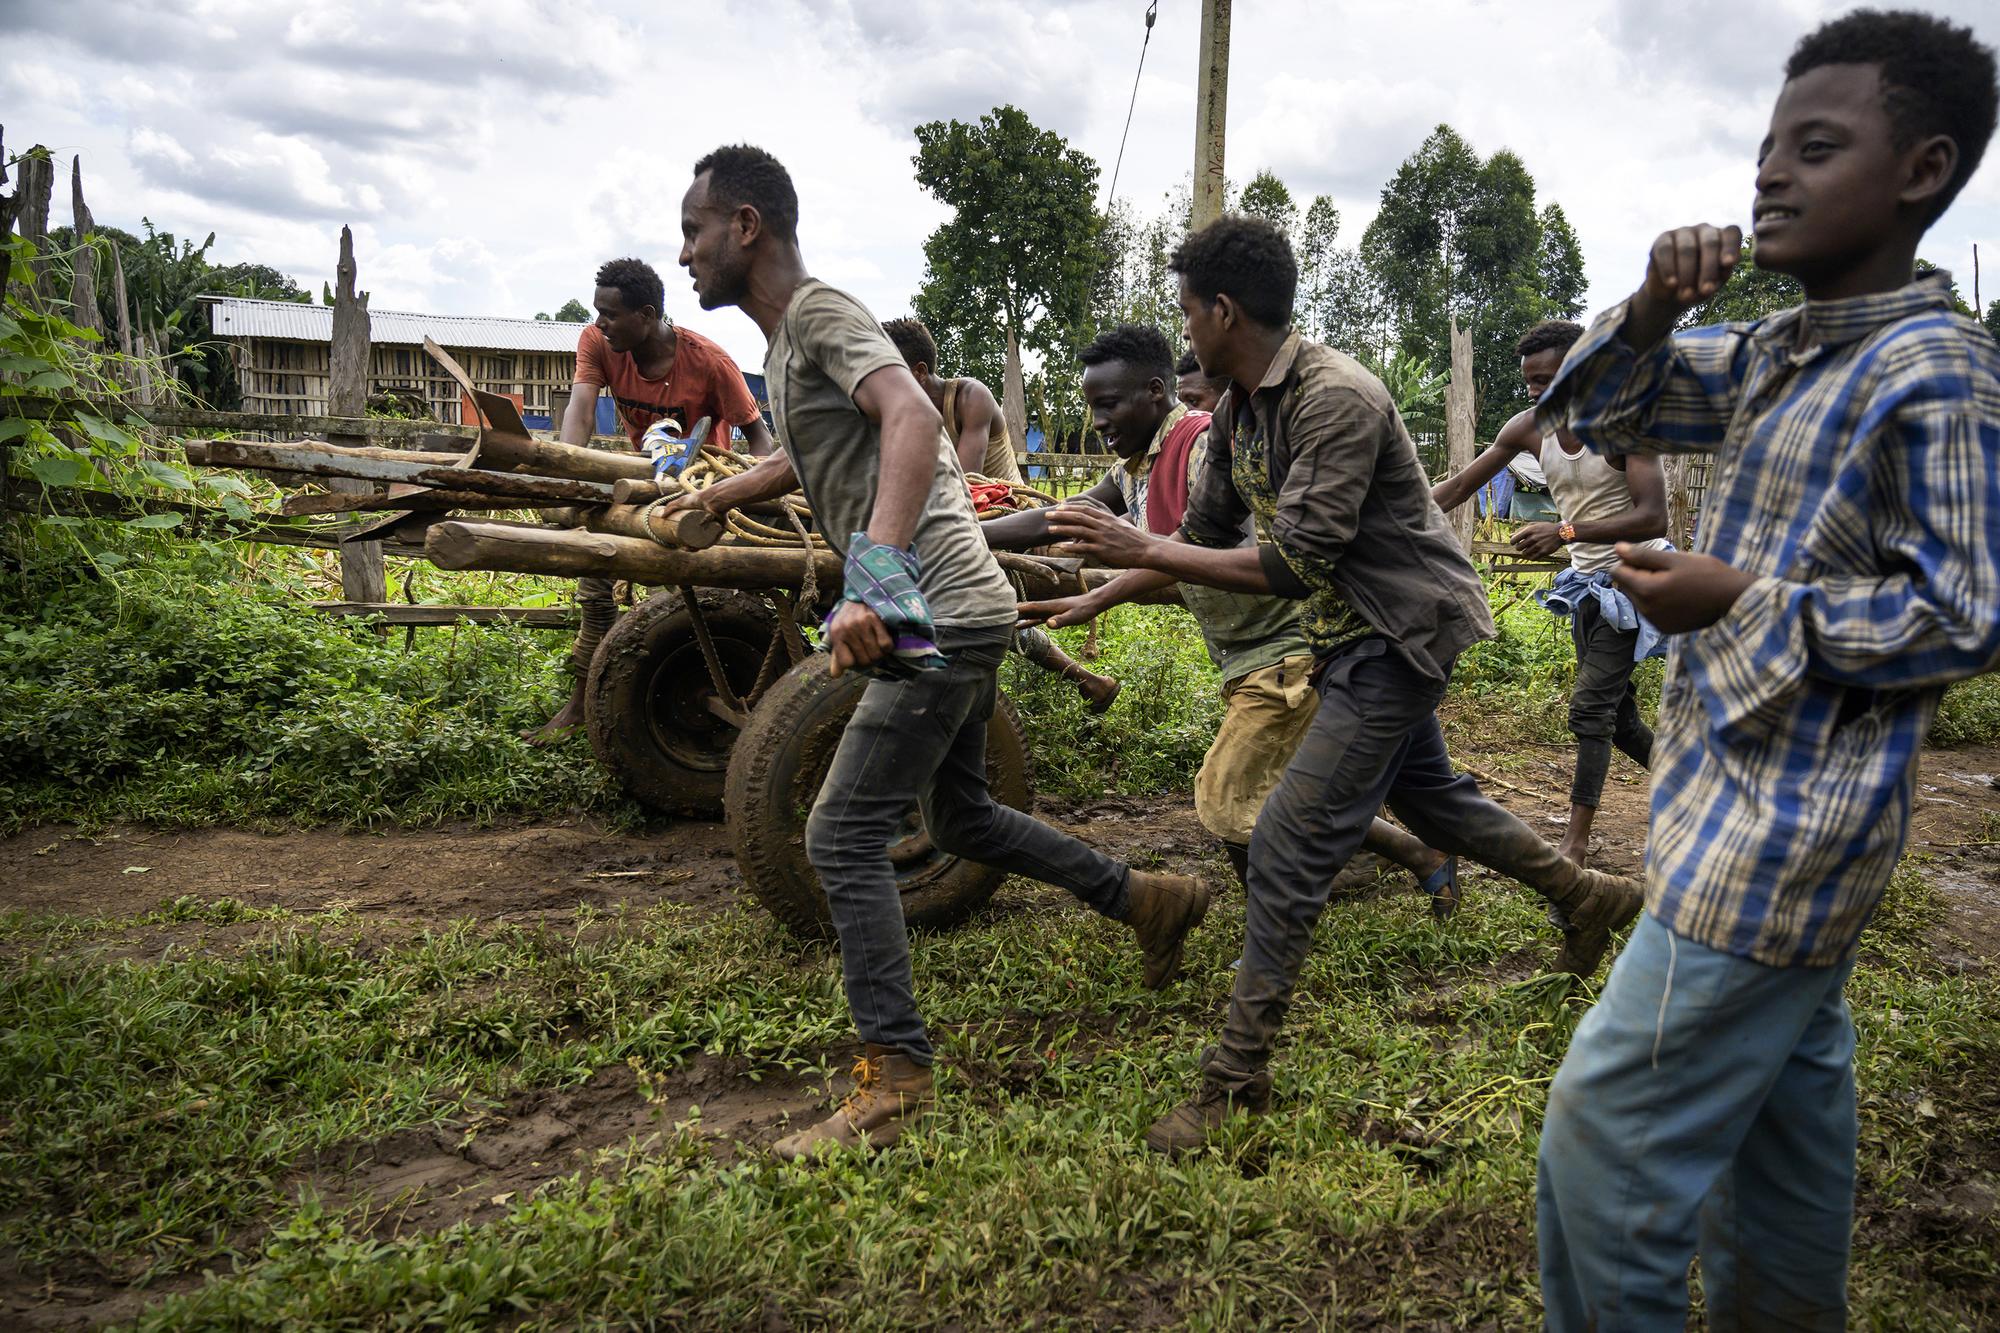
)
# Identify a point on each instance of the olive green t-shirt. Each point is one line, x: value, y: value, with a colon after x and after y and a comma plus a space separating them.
x: 826, y: 344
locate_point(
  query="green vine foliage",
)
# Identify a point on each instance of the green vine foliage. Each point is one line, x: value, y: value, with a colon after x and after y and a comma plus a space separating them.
x: 70, y: 433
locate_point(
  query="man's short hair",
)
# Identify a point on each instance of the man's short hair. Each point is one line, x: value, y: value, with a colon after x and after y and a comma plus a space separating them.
x: 913, y: 340
x: 1560, y: 334
x: 740, y: 174
x: 638, y: 285
x: 1247, y: 258
x: 1139, y: 345
x: 1936, y: 79
x: 1189, y: 365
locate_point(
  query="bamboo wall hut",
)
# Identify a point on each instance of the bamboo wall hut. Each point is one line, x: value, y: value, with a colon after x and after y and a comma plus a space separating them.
x: 282, y: 352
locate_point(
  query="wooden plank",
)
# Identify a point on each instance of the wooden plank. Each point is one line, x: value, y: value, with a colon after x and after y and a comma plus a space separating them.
x: 83, y: 311
x: 199, y: 520
x: 195, y: 419
x: 1459, y: 419
x: 400, y: 613
x: 342, y: 502
x: 318, y: 462
x: 362, y: 578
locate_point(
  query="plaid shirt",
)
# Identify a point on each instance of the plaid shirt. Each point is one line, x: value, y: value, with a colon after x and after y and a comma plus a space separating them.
x: 1858, y: 478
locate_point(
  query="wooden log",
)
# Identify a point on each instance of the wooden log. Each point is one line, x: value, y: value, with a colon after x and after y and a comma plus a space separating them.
x: 362, y: 578
x: 425, y: 457
x: 638, y: 490
x: 322, y: 462
x: 400, y: 613
x: 549, y: 458
x: 468, y: 544
x: 688, y: 530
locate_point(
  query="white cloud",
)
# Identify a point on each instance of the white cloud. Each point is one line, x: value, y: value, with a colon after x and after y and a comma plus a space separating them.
x: 490, y: 155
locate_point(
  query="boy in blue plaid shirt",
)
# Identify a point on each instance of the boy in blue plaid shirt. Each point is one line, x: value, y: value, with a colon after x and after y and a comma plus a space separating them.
x: 1849, y: 571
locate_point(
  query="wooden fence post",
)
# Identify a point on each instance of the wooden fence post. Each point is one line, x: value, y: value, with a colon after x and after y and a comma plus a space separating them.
x: 83, y: 310
x: 1459, y: 418
x: 361, y: 575
x: 32, y: 189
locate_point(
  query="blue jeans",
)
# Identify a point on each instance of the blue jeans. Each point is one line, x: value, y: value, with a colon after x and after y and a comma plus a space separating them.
x: 920, y: 740
x: 1707, y: 1103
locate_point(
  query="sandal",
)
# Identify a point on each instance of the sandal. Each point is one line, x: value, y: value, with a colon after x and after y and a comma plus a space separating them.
x: 1442, y: 885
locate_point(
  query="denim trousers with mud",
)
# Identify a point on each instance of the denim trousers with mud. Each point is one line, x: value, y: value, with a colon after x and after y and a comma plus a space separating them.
x: 919, y: 741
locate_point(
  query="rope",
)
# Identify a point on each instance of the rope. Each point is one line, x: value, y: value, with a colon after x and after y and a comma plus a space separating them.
x: 1152, y: 13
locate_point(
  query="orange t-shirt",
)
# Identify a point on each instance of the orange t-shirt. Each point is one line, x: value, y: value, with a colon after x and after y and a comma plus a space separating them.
x: 704, y: 382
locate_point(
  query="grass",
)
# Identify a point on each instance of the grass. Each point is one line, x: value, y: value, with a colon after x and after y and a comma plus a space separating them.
x: 177, y: 701
x: 156, y: 1108
x: 159, y: 1111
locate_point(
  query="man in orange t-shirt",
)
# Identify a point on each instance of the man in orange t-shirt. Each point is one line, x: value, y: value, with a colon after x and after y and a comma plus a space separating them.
x: 651, y: 369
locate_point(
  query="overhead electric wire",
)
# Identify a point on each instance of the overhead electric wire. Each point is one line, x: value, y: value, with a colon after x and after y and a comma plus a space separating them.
x: 1152, y: 12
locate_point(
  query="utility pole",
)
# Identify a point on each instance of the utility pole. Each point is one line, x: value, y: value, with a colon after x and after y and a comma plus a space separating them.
x: 1211, y: 108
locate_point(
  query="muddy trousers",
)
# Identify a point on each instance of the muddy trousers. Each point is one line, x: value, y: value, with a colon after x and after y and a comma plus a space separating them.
x: 1706, y: 1105
x: 1375, y: 739
x: 1603, y: 706
x: 921, y: 740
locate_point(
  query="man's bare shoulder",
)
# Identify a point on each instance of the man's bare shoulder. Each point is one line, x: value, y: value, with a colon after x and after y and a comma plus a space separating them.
x: 1520, y: 434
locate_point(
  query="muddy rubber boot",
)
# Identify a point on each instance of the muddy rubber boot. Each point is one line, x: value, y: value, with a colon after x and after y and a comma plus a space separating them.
x: 1224, y: 1092
x: 891, y: 1092
x: 1592, y: 904
x: 1164, y: 908
x: 1608, y: 903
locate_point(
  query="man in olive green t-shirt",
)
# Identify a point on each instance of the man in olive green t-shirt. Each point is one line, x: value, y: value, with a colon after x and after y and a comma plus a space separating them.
x: 926, y: 613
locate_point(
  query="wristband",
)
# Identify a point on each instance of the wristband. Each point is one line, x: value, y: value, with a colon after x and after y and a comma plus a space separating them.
x: 1567, y: 531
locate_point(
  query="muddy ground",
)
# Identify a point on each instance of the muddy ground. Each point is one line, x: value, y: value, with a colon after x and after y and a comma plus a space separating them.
x: 393, y: 883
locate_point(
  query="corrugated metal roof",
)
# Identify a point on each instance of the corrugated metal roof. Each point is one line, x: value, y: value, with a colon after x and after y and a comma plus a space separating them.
x: 239, y: 317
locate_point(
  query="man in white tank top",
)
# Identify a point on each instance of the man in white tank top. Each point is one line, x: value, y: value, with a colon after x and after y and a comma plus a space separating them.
x: 1599, y: 502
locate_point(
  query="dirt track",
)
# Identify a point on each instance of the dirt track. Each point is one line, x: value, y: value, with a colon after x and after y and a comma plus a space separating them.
x: 542, y: 873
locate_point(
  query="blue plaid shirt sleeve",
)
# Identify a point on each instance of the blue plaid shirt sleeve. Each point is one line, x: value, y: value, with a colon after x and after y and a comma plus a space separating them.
x: 1675, y: 397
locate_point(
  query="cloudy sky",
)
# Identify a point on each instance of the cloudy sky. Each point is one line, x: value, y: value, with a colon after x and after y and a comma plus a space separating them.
x: 488, y: 155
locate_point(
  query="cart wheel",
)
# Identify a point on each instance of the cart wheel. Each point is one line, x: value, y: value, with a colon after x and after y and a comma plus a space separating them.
x: 647, y: 699
x: 774, y: 776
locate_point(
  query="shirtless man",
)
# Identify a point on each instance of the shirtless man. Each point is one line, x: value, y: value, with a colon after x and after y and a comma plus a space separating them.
x: 972, y: 418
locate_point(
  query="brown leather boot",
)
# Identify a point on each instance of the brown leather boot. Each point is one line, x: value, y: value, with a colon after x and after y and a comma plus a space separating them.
x: 1600, y: 904
x: 891, y: 1092
x: 1194, y: 1122
x: 1164, y: 908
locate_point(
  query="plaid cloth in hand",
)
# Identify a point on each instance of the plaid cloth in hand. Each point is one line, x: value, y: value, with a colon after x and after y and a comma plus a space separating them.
x: 884, y: 580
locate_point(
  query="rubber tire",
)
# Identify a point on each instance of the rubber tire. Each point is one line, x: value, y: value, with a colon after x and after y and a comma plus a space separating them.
x: 642, y: 698
x: 775, y: 775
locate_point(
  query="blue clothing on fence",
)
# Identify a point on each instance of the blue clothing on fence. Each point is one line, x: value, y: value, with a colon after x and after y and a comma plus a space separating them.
x: 1573, y: 585
x: 1706, y: 1104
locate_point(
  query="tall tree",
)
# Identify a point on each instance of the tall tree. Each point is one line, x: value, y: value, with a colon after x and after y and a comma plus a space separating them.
x: 1022, y: 245
x: 1993, y: 318
x: 1315, y: 243
x: 1460, y: 237
x: 571, y: 311
x: 1559, y: 265
x: 1266, y: 197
